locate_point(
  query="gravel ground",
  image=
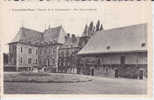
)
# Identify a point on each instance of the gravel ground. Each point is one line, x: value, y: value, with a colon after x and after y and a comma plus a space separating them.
x: 45, y: 77
x: 98, y: 85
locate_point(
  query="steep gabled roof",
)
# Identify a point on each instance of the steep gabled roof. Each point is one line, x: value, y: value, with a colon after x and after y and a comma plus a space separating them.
x: 50, y: 35
x: 27, y: 35
x: 56, y: 34
x: 123, y: 39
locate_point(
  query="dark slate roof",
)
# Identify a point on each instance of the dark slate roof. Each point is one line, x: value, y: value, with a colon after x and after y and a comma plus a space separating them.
x: 123, y: 39
x: 30, y: 36
x: 71, y: 44
x: 56, y: 34
x: 27, y: 35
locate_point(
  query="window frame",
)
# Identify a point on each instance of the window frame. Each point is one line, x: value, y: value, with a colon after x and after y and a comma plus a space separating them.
x: 123, y: 60
x: 29, y: 60
x: 21, y: 50
x: 30, y: 50
x: 21, y: 60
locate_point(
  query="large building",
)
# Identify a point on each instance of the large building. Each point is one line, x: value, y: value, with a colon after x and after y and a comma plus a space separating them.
x: 30, y: 49
x: 118, y: 52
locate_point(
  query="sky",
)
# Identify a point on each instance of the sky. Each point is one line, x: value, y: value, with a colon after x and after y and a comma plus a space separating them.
x: 73, y: 17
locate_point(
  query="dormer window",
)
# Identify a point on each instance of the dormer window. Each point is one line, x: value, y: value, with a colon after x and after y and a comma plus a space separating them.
x: 143, y: 45
x: 108, y: 47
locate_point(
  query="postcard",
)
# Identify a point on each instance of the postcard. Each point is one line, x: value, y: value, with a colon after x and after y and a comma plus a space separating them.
x: 72, y: 47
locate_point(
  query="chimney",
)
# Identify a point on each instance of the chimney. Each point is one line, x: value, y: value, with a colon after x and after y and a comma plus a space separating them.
x: 67, y: 37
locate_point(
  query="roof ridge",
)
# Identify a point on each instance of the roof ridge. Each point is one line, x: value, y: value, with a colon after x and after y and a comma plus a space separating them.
x: 60, y: 26
x: 53, y: 28
x: 121, y: 27
x: 31, y: 29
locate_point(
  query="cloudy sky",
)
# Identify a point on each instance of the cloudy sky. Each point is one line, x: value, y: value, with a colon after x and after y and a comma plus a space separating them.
x: 72, y: 17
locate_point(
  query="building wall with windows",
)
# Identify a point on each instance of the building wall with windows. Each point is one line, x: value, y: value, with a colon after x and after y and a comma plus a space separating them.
x: 27, y: 56
x: 128, y: 58
x: 127, y: 64
x: 67, y: 61
x: 48, y: 57
x: 67, y: 54
x: 118, y: 52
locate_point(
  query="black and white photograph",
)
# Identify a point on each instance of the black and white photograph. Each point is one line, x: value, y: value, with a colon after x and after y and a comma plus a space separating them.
x: 97, y: 48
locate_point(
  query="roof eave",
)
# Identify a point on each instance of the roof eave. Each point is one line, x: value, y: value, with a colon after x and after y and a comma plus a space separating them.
x: 98, y: 53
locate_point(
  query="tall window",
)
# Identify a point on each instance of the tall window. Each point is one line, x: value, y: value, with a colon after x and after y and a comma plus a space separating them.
x: 40, y: 51
x: 21, y: 60
x: 36, y: 61
x: 29, y: 60
x: 21, y: 49
x: 36, y: 51
x: 62, y: 54
x: 48, y: 62
x: 30, y: 50
x: 123, y: 59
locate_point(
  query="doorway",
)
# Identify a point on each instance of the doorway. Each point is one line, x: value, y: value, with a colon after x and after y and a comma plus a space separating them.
x: 116, y: 73
x: 92, y: 72
x: 141, y: 73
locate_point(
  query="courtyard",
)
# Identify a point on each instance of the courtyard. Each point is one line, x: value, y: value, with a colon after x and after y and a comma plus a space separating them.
x: 98, y: 85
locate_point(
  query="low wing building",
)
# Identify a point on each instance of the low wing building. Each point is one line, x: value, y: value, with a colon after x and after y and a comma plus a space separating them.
x: 118, y: 52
